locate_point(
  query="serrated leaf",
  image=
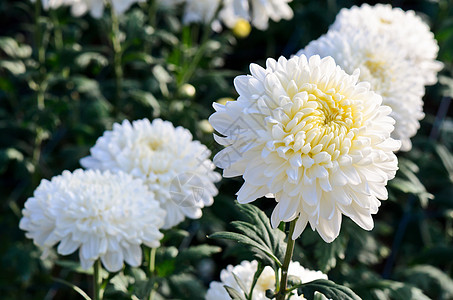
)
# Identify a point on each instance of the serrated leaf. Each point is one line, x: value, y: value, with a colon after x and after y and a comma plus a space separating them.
x: 262, y: 250
x: 328, y: 288
x: 431, y: 280
x: 235, y: 295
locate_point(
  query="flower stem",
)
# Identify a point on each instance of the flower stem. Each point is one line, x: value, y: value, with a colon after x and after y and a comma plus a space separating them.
x: 97, y: 281
x: 288, y: 255
x: 152, y: 268
x: 116, y: 45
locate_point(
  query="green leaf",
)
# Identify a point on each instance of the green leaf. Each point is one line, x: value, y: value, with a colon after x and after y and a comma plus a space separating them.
x: 446, y: 158
x: 235, y: 295
x: 431, y: 280
x: 195, y: 253
x: 388, y: 289
x: 84, y: 59
x: 148, y: 100
x: 13, y: 49
x: 328, y: 288
x: 15, y: 67
x: 262, y: 251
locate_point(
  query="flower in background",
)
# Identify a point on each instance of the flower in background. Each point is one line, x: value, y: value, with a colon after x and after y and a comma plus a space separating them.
x: 104, y: 215
x: 258, y: 12
x: 173, y: 166
x: 245, y: 273
x: 379, y: 59
x: 312, y: 136
x: 95, y: 7
x: 404, y: 28
x: 200, y: 11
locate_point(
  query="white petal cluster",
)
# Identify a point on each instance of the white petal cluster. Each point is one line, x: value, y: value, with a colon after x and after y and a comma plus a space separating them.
x: 103, y: 215
x: 404, y: 28
x: 245, y: 273
x: 200, y: 11
x: 257, y: 12
x: 176, y: 169
x: 95, y: 7
x: 312, y: 136
x: 380, y: 61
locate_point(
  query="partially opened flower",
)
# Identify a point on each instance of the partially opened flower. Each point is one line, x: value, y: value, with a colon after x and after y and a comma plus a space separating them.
x: 245, y: 273
x: 105, y: 216
x: 258, y: 12
x: 398, y: 81
x: 312, y: 136
x: 404, y: 28
x: 174, y: 167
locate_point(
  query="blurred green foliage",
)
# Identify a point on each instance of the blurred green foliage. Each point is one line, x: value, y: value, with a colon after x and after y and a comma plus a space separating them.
x: 63, y: 82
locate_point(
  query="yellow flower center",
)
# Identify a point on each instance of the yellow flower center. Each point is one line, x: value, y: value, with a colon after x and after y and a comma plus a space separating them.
x: 242, y: 28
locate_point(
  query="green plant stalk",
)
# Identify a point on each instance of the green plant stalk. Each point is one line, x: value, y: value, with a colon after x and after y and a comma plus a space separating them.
x: 97, y: 281
x: 188, y: 72
x: 288, y: 255
x: 41, y: 55
x: 117, y: 53
x: 152, y: 269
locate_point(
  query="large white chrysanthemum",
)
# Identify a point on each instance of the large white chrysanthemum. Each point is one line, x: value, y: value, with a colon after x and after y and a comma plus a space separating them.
x: 173, y: 166
x: 311, y: 135
x: 95, y: 7
x: 258, y: 12
x: 398, y: 81
x: 405, y: 28
x: 245, y: 273
x: 104, y: 215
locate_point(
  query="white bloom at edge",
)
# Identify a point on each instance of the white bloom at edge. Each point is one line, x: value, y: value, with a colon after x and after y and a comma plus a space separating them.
x: 95, y: 7
x: 104, y: 215
x: 258, y: 12
x: 245, y: 273
x: 312, y: 136
x: 405, y: 28
x: 398, y: 81
x: 173, y: 166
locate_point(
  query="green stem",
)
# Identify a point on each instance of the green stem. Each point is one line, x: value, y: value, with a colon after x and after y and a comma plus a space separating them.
x: 117, y: 52
x: 152, y: 13
x: 97, y: 281
x: 58, y: 35
x: 288, y: 255
x: 152, y: 269
x: 188, y: 72
x: 41, y: 55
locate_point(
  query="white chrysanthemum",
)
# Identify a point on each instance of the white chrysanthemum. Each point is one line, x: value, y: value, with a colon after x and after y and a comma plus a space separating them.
x: 95, y: 7
x: 405, y: 28
x: 245, y: 273
x: 398, y: 81
x: 258, y: 12
x: 200, y: 11
x: 173, y: 166
x: 106, y: 216
x: 311, y: 135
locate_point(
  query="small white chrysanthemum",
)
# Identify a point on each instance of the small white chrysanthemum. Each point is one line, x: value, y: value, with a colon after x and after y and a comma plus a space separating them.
x: 311, y: 135
x: 398, y: 81
x: 404, y: 28
x: 245, y: 273
x: 173, y: 166
x: 95, y: 7
x: 106, y: 216
x: 258, y: 12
